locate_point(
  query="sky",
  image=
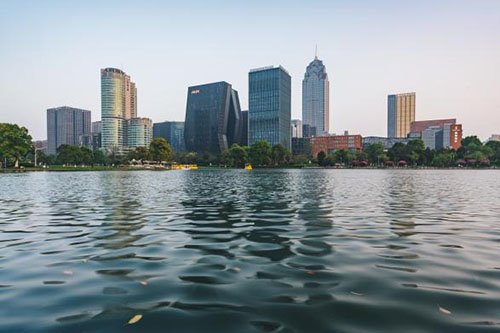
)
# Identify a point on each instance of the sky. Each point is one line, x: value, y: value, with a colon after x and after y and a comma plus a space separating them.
x: 447, y: 51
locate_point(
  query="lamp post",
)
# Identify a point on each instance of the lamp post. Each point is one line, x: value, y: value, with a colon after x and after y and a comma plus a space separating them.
x: 35, y: 154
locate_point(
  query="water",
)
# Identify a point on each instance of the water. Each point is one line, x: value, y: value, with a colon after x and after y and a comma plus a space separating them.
x: 250, y: 251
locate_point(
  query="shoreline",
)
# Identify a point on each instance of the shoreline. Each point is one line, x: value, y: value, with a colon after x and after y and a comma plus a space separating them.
x: 126, y: 169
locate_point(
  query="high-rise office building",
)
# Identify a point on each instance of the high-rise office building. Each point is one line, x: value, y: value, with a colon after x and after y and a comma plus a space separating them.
x: 400, y: 114
x: 270, y: 106
x: 296, y: 128
x: 139, y: 132
x: 118, y: 104
x: 66, y: 125
x: 244, y: 128
x: 316, y: 97
x: 173, y: 132
x: 213, y: 118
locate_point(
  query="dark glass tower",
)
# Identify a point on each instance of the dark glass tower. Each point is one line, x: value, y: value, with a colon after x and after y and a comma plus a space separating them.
x: 244, y: 128
x: 270, y: 106
x: 172, y: 131
x: 213, y: 118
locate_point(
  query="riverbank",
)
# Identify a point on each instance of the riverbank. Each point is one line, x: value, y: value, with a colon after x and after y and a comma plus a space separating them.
x: 150, y: 168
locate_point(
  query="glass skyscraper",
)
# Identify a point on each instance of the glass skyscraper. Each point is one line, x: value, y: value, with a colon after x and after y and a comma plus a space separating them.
x: 66, y: 125
x: 270, y: 106
x: 400, y: 114
x: 118, y: 104
x: 213, y: 118
x: 173, y: 132
x: 316, y: 99
x: 139, y: 132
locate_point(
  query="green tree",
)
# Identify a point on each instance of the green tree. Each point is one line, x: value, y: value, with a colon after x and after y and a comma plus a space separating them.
x: 67, y: 154
x: 139, y: 153
x: 239, y: 155
x: 260, y: 153
x: 399, y: 152
x: 321, y: 158
x: 99, y: 157
x: 15, y: 142
x: 444, y: 159
x: 374, y: 152
x: 87, y: 157
x: 160, y: 150
x: 278, y: 154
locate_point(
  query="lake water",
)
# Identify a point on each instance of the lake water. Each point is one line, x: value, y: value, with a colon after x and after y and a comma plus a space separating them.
x: 250, y: 251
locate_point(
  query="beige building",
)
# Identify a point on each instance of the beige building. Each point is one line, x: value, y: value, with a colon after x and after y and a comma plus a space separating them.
x: 400, y: 114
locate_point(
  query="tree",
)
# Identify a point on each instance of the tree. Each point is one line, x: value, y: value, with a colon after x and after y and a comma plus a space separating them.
x: 260, y: 153
x: 15, y: 142
x: 321, y: 158
x: 139, y: 153
x: 67, y: 154
x: 374, y: 152
x: 239, y: 155
x: 160, y: 150
x: 278, y: 154
x: 99, y: 157
x: 399, y: 152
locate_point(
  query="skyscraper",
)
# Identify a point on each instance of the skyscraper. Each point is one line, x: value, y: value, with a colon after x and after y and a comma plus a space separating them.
x: 213, y: 118
x: 316, y: 98
x: 139, y: 132
x: 66, y: 125
x: 172, y: 131
x: 270, y: 106
x: 118, y: 104
x: 400, y: 114
x: 244, y: 128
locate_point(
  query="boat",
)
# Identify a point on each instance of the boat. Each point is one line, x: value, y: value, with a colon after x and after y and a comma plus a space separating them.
x: 248, y: 166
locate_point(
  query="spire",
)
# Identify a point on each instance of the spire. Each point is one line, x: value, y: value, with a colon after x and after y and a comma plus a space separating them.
x: 316, y: 53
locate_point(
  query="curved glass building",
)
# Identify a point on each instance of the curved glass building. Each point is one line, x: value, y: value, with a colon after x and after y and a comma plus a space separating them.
x: 118, y: 103
x: 316, y: 99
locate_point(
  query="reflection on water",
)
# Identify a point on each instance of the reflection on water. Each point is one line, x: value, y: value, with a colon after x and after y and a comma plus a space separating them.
x: 259, y: 251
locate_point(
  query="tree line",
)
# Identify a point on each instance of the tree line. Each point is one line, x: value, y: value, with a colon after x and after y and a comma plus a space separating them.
x: 16, y: 147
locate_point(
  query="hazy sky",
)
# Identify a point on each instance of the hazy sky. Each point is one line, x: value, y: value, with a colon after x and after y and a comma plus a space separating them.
x: 448, y: 52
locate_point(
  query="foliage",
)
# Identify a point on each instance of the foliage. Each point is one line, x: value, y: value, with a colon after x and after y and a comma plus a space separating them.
x: 236, y: 156
x: 15, y: 142
x: 260, y: 153
x: 321, y: 158
x: 160, y: 150
x: 139, y: 154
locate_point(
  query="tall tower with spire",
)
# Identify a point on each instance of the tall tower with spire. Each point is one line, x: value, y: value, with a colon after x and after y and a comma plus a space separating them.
x: 316, y: 99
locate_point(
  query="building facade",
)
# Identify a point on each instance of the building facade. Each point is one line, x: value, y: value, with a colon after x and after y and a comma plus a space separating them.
x: 244, y: 128
x: 66, y: 125
x: 316, y: 97
x: 400, y: 114
x: 173, y: 132
x: 301, y: 146
x: 270, y: 106
x: 420, y: 125
x: 213, y: 118
x: 494, y: 137
x: 447, y: 136
x: 331, y: 143
x: 118, y: 104
x: 386, y: 142
x: 297, y: 128
x: 139, y: 132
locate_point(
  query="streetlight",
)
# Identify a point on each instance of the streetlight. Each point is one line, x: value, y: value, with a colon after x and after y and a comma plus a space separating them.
x: 35, y: 153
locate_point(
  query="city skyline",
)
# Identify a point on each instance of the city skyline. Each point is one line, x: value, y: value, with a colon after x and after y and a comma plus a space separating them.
x: 447, y: 56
